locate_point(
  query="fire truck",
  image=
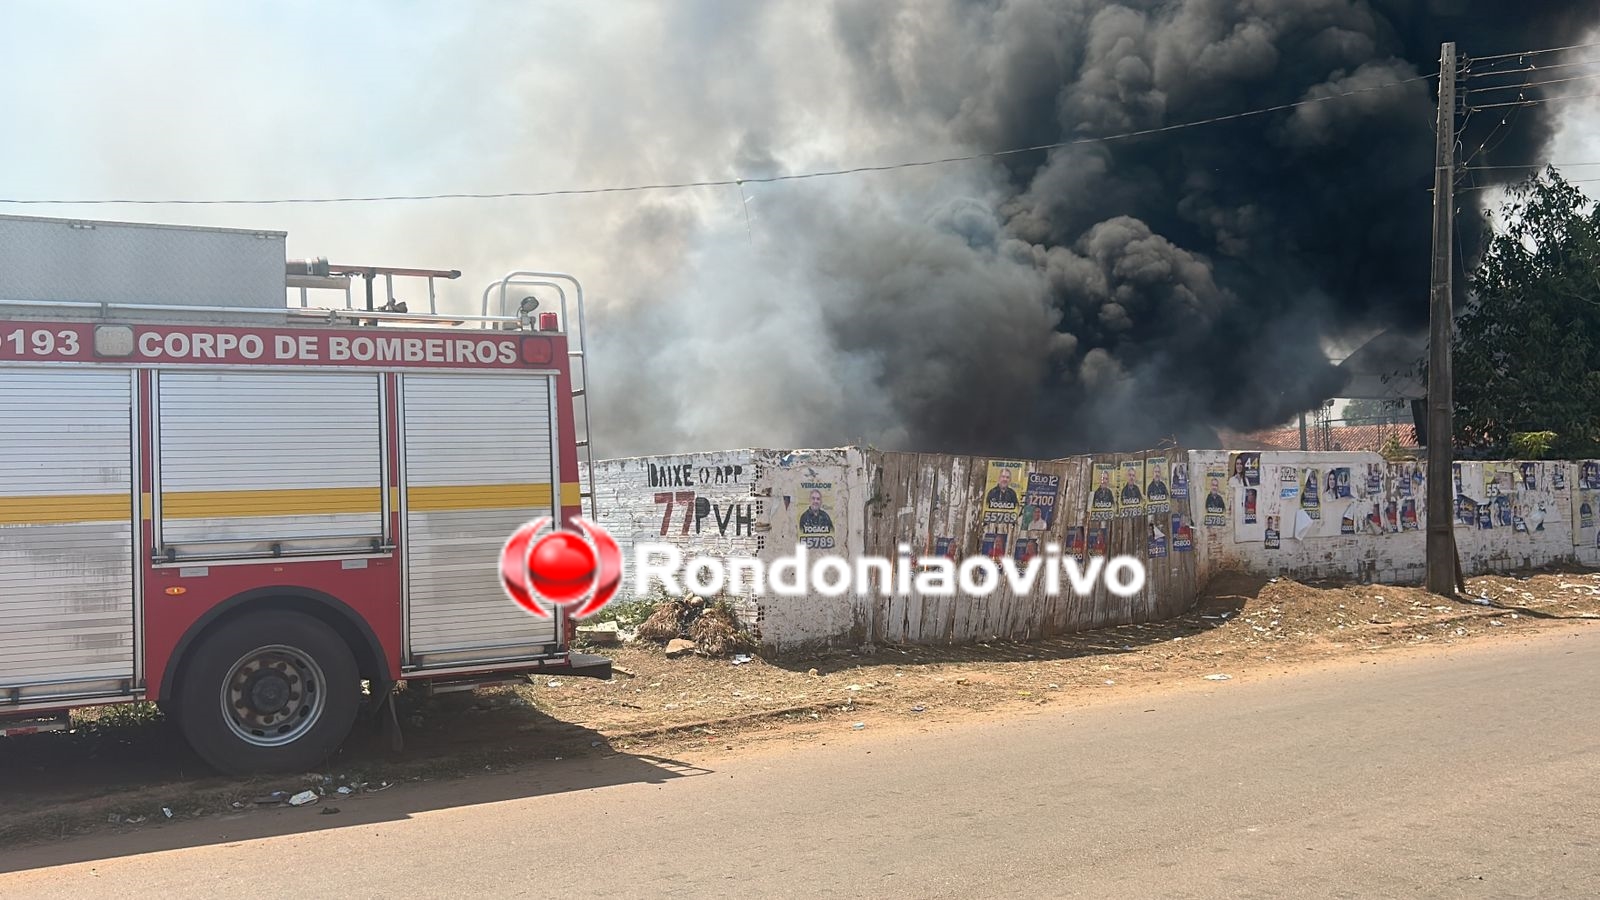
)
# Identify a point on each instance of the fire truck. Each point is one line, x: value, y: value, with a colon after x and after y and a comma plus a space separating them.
x: 263, y: 514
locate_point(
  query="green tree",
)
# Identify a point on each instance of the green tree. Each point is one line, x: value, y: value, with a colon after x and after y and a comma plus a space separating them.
x: 1526, y: 354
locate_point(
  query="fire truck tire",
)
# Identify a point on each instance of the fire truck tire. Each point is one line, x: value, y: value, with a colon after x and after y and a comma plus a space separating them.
x: 270, y: 692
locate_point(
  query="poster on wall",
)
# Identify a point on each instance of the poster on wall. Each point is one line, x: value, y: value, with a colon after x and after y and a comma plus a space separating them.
x: 1273, y: 540
x: 1244, y: 470
x: 1310, y: 497
x: 1251, y: 499
x: 1027, y: 548
x: 1180, y: 480
x: 1391, y: 516
x: 1402, y: 479
x: 1502, y: 511
x: 993, y: 546
x: 1530, y: 476
x: 1098, y: 539
x: 1466, y: 511
x: 945, y: 547
x: 1182, y: 535
x: 1288, y: 483
x: 1130, y: 499
x: 1558, y: 477
x: 1338, y: 486
x: 1103, y: 502
x: 1155, y: 489
x: 1216, y: 501
x: 1075, y: 543
x: 1589, y: 475
x: 1039, y: 502
x: 1347, y: 522
x: 1000, y: 502
x: 1485, y: 517
x: 1157, y: 543
x: 1585, y: 510
x: 1408, y: 515
x: 1374, y: 479
x: 1455, y: 469
x: 1374, y: 520
x: 816, y: 523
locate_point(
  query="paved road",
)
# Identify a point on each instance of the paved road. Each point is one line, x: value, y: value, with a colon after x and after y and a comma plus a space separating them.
x: 1473, y: 773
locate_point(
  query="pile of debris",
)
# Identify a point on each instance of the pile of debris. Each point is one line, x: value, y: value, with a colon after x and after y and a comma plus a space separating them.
x: 687, y: 625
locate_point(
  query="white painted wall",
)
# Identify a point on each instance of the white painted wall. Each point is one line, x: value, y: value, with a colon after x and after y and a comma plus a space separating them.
x: 745, y: 503
x: 1383, y: 552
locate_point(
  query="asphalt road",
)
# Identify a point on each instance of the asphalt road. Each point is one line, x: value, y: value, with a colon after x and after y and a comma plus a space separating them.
x: 1468, y: 773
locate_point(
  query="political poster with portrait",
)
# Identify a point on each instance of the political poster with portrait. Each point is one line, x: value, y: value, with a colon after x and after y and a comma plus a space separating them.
x: 1273, y: 539
x: 945, y: 547
x: 1103, y: 499
x: 1338, y: 487
x: 1039, y: 502
x: 1157, y: 543
x: 1001, y: 500
x: 1216, y: 498
x: 1589, y: 475
x: 1310, y: 495
x: 1130, y: 489
x: 1375, y: 479
x: 1408, y: 515
x: 1251, y: 500
x: 1558, y: 477
x: 1530, y: 476
x: 1182, y: 534
x: 1156, y: 490
x: 1076, y: 545
x: 993, y: 546
x: 1498, y: 481
x: 1027, y: 548
x: 1244, y: 470
x: 1179, y: 479
x: 1099, y: 539
x: 816, y: 522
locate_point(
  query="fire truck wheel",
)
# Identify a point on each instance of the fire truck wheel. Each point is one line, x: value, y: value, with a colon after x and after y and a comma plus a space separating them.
x: 271, y: 691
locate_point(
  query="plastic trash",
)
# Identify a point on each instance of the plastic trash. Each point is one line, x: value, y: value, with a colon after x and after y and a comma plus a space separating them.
x: 302, y: 798
x: 1218, y: 677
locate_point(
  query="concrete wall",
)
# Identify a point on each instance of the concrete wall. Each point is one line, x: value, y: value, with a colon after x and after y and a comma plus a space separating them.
x: 1371, y: 520
x: 747, y: 503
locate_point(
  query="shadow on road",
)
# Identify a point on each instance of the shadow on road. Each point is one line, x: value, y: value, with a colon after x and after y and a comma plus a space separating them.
x: 460, y: 750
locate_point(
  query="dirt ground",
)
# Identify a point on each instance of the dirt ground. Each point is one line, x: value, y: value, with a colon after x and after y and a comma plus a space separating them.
x: 126, y: 768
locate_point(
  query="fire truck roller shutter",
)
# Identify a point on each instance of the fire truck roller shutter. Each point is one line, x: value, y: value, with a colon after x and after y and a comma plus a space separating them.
x: 479, y: 461
x: 253, y: 458
x: 66, y: 534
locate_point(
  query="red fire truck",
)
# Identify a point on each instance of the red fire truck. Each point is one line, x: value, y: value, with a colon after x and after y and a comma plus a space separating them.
x: 263, y: 515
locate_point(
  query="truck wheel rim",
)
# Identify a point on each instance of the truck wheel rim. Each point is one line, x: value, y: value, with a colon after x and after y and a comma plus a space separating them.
x: 273, y: 696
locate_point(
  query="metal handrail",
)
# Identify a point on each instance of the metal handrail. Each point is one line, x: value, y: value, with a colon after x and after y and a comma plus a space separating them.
x: 295, y: 311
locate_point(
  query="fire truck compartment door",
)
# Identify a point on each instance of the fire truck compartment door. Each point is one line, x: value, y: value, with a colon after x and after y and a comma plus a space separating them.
x: 479, y: 460
x: 66, y: 535
x: 250, y: 460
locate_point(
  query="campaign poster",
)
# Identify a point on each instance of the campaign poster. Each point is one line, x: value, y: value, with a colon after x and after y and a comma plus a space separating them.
x: 944, y: 546
x: 1558, y: 477
x: 1130, y: 496
x: 1455, y: 470
x: 1338, y: 487
x: 1157, y: 544
x: 1530, y: 476
x: 1391, y: 516
x: 1402, y: 481
x: 1216, y: 500
x: 1273, y: 540
x: 1180, y: 480
x: 1251, y: 498
x: 1039, y: 502
x: 1408, y: 515
x: 1374, y: 479
x: 1374, y: 520
x: 1103, y: 502
x: 1182, y: 535
x: 1098, y: 539
x: 1156, y: 490
x: 1027, y: 548
x: 1466, y: 510
x: 1347, y: 522
x: 1075, y: 543
x: 993, y: 546
x: 1502, y: 510
x: 1498, y: 481
x: 1244, y: 470
x: 1310, y: 495
x: 1589, y: 475
x: 1000, y: 501
x: 1485, y: 517
x: 1519, y: 523
x: 1288, y: 483
x: 816, y: 523
x: 1585, y: 510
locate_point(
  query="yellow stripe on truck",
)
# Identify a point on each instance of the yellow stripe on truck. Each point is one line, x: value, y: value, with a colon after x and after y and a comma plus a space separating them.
x: 66, y: 509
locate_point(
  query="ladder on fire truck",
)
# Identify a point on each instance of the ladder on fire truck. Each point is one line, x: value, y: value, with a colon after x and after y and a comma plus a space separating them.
x: 580, y: 389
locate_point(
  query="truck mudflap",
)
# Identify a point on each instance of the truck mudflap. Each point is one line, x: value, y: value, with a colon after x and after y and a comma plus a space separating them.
x: 589, y: 665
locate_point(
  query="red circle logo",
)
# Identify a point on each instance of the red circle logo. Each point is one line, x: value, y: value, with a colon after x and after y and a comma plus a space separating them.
x: 579, y: 573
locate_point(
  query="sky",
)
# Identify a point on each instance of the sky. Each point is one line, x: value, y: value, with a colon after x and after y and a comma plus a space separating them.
x: 205, y: 100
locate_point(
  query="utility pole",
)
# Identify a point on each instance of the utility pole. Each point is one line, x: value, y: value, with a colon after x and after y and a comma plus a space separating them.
x: 1441, y: 529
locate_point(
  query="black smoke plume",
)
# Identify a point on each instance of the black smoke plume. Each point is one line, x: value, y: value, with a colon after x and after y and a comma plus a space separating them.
x: 1100, y: 296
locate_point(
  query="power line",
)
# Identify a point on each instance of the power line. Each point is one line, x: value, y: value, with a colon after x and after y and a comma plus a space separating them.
x: 767, y: 179
x: 1530, y: 68
x: 1473, y: 59
x: 1532, y: 102
x: 1485, y: 187
x: 1562, y: 165
x: 1533, y: 84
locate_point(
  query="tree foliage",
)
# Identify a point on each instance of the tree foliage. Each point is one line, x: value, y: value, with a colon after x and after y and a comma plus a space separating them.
x: 1526, y: 354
